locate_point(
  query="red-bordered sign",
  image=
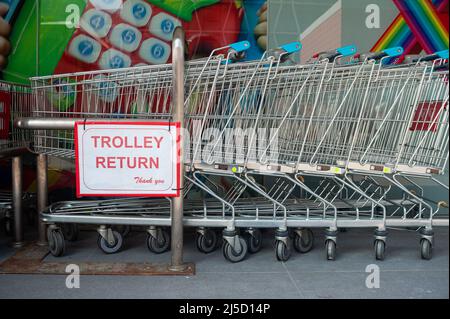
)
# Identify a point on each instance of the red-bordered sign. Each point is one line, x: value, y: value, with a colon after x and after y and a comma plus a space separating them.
x: 127, y: 159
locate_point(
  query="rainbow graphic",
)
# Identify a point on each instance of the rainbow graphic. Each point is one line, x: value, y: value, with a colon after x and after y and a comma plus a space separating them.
x: 418, y: 25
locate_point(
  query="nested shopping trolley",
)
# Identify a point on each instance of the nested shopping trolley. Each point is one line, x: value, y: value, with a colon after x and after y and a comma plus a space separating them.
x: 137, y: 93
x: 15, y: 101
x: 359, y: 127
x: 352, y: 124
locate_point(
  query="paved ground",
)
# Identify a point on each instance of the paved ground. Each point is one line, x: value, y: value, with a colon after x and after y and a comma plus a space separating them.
x: 402, y: 275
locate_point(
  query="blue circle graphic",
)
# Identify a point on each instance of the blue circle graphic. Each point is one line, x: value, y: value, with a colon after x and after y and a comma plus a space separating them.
x: 97, y: 22
x: 158, y: 51
x: 128, y: 36
x: 167, y: 26
x: 86, y: 48
x: 116, y: 62
x: 139, y: 11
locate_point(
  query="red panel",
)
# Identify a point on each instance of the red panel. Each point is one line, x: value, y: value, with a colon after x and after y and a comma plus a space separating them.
x: 5, y: 107
x: 426, y: 116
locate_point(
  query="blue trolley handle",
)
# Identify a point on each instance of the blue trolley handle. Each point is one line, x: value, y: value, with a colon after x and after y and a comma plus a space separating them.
x: 237, y: 50
x: 388, y: 53
x: 349, y: 50
x: 283, y: 53
x: 441, y: 55
x: 442, y: 67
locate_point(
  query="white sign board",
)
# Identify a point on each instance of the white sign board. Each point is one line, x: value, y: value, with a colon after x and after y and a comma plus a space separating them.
x: 127, y: 159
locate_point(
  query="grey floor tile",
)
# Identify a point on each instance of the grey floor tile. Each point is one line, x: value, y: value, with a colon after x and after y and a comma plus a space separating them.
x: 402, y: 275
x: 202, y: 286
x: 395, y: 285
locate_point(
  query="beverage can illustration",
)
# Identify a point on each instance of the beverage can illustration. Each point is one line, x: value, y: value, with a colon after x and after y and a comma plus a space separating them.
x: 122, y: 33
x: 74, y: 35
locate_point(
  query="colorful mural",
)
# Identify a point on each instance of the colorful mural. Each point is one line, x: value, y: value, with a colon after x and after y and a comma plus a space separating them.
x: 421, y: 24
x: 84, y: 35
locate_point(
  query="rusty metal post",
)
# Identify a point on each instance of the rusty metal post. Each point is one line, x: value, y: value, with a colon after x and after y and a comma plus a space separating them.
x: 17, y: 196
x: 42, y: 196
x: 178, y: 51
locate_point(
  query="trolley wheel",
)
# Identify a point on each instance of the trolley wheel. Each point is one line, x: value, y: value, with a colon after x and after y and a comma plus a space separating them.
x: 159, y: 245
x: 380, y: 248
x: 231, y: 255
x: 8, y: 227
x: 304, y: 243
x: 108, y: 248
x: 70, y: 231
x: 283, y: 252
x: 330, y: 247
x: 56, y: 243
x: 254, y: 241
x: 426, y: 249
x: 124, y: 230
x: 207, y: 242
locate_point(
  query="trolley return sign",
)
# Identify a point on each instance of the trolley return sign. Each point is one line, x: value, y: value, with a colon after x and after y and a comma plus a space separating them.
x: 127, y: 159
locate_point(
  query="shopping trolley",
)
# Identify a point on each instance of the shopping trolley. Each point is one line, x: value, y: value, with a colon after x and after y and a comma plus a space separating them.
x: 311, y: 114
x: 325, y: 117
x: 417, y: 151
x: 15, y: 101
x: 200, y: 98
x: 61, y: 212
x: 136, y: 93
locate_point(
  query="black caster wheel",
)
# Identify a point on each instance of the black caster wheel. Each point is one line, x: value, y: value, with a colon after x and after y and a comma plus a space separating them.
x: 254, y: 241
x: 330, y: 247
x: 124, y: 230
x: 380, y: 248
x: 56, y: 243
x: 108, y: 248
x: 231, y: 255
x: 159, y: 245
x: 207, y: 242
x: 283, y: 252
x: 304, y: 241
x: 70, y: 231
x: 8, y: 227
x: 426, y: 249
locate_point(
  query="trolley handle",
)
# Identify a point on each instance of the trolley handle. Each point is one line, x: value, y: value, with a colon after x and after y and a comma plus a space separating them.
x: 442, y: 204
x: 442, y: 67
x: 441, y: 55
x: 283, y: 53
x: 388, y: 53
x: 237, y: 50
x: 348, y: 50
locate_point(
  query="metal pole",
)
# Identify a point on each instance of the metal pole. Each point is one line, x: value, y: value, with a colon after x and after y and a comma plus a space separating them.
x: 17, y: 173
x: 42, y: 196
x: 32, y: 123
x: 178, y: 51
